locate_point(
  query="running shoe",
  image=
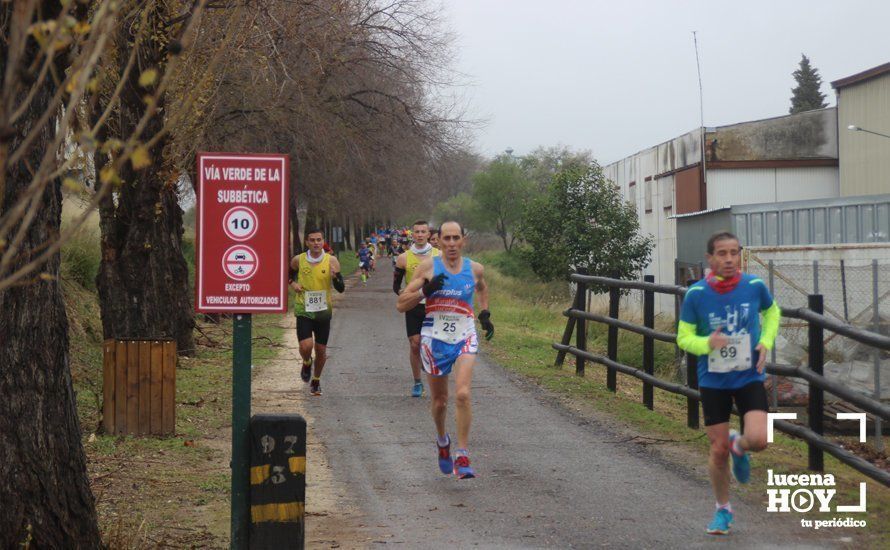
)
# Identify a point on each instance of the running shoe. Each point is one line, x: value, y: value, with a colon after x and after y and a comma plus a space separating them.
x: 462, y: 467
x: 741, y: 464
x: 417, y: 390
x: 315, y: 387
x: 446, y: 465
x: 721, y: 523
x: 306, y: 371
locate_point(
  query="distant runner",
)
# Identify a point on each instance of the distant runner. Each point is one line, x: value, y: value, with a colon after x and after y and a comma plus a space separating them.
x: 406, y: 265
x: 720, y: 322
x: 316, y: 272
x: 434, y: 238
x: 364, y: 261
x: 372, y: 248
x: 448, y: 337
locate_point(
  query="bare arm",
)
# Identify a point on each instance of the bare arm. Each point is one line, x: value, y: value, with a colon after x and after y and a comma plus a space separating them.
x: 335, y: 265
x: 295, y: 266
x: 481, y: 286
x: 412, y: 294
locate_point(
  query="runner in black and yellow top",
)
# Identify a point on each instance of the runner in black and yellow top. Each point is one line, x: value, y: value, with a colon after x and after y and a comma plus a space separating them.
x: 316, y: 273
x: 406, y: 263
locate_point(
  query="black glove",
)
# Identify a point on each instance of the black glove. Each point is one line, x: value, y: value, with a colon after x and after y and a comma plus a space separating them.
x: 485, y: 320
x: 338, y: 282
x: 397, y: 276
x: 430, y: 287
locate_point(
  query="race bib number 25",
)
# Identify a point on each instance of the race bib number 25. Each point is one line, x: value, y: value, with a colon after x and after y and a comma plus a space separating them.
x: 451, y: 328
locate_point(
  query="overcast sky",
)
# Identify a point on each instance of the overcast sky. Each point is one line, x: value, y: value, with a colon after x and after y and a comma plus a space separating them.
x: 616, y: 77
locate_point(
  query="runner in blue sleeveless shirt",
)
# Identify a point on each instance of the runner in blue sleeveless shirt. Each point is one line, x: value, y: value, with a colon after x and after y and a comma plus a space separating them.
x: 448, y: 337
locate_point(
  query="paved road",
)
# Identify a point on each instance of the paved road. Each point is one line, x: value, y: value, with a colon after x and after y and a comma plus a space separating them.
x: 547, y: 477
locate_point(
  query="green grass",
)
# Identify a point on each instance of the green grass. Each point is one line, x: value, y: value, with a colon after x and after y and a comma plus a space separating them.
x: 527, y: 314
x: 81, y: 258
x: 348, y: 262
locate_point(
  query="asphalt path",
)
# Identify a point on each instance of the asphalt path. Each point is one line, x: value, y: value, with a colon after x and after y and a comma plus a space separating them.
x: 547, y: 476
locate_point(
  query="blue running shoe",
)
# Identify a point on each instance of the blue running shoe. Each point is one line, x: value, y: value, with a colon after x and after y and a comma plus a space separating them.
x: 446, y: 465
x: 462, y: 467
x: 417, y: 390
x: 741, y: 464
x: 721, y: 523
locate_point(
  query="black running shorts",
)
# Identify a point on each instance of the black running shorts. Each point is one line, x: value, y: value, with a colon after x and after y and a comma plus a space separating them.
x: 307, y: 327
x: 414, y: 320
x: 717, y: 403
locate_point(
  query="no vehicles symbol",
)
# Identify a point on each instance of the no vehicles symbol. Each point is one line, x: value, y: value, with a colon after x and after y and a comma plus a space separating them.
x: 240, y: 262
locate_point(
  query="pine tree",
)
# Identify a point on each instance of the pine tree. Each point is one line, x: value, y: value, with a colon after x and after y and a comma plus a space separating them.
x: 806, y: 95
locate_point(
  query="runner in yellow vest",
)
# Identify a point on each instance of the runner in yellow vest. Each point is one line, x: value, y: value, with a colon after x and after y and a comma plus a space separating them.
x: 406, y: 263
x: 316, y: 273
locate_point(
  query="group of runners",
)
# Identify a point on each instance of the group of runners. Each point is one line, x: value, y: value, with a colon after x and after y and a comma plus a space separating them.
x: 391, y: 243
x: 728, y: 319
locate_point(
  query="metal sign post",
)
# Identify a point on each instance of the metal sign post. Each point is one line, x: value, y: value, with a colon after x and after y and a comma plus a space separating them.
x: 241, y: 364
x: 242, y: 267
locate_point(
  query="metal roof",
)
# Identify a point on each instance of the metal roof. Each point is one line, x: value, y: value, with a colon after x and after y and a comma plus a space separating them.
x: 861, y: 77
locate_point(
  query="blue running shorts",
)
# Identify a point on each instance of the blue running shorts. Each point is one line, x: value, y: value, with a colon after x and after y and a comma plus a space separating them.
x: 438, y: 357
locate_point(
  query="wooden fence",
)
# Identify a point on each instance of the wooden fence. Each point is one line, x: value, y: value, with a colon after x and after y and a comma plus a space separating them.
x: 812, y: 373
x: 139, y: 387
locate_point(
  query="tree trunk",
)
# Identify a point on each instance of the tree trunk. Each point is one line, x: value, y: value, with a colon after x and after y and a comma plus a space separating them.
x: 296, y: 241
x: 143, y: 279
x: 44, y: 489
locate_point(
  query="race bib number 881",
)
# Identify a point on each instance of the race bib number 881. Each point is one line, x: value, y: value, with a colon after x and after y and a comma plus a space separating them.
x: 315, y: 300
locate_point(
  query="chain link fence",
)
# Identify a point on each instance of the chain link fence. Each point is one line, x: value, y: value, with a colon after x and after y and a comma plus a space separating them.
x: 856, y: 291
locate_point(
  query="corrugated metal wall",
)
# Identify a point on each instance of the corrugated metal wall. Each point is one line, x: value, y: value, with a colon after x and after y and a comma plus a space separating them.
x: 864, y: 158
x: 831, y: 222
x: 727, y: 187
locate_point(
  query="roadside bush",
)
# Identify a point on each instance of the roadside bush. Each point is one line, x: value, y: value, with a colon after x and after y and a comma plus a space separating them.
x: 583, y: 222
x: 81, y: 258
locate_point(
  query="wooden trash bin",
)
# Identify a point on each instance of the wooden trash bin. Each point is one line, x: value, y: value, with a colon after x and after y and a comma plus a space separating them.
x: 139, y: 387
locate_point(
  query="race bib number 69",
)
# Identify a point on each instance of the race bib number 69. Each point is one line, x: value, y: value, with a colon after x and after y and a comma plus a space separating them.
x: 734, y: 356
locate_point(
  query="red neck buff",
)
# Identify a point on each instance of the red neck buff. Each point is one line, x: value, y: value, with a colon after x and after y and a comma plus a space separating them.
x: 721, y: 285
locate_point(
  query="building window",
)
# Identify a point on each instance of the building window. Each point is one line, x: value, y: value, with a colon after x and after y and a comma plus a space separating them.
x: 667, y: 193
x: 632, y: 194
x: 648, y: 194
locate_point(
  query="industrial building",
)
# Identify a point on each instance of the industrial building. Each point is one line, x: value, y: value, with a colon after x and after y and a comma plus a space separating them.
x: 708, y: 175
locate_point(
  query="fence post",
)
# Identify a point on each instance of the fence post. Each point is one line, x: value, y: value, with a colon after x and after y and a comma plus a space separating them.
x: 815, y: 276
x: 612, y: 342
x: 879, y: 440
x: 844, y: 291
x: 648, y: 341
x: 581, y: 334
x: 567, y: 334
x: 692, y: 383
x: 816, y: 343
x: 775, y: 385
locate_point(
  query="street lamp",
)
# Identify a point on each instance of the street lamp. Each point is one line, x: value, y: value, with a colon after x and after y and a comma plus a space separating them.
x: 855, y: 128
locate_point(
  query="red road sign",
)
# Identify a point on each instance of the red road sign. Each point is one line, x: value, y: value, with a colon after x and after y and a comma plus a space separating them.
x: 242, y: 233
